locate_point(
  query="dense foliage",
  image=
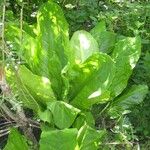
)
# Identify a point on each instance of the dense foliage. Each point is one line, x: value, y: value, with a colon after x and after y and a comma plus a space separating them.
x: 69, y: 68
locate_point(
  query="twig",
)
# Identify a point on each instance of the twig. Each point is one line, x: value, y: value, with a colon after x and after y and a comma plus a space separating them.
x: 6, y: 133
x: 3, y: 31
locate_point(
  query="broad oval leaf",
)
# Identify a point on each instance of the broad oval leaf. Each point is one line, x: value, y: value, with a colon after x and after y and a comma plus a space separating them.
x: 89, y: 81
x: 65, y: 139
x: 126, y: 54
x: 16, y: 141
x: 52, y: 35
x: 44, y: 47
x: 83, y: 45
x: 63, y: 114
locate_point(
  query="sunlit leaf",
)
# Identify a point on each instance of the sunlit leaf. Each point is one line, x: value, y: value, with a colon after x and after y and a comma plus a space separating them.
x: 20, y: 90
x: 52, y: 30
x: 39, y: 87
x: 89, y: 81
x: 126, y: 54
x: 83, y: 45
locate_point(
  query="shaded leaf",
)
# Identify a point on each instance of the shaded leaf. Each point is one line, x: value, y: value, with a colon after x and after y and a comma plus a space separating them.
x: 45, y: 116
x: 63, y: 113
x: 96, y: 31
x: 106, y: 41
x: 59, y: 139
x: 89, y: 138
x: 131, y: 97
x: 84, y: 117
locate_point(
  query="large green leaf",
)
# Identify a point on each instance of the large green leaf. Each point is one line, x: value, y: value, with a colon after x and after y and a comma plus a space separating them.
x: 83, y: 45
x: 34, y: 91
x: 43, y: 47
x: 16, y: 141
x: 52, y: 30
x: 39, y: 87
x: 126, y: 54
x: 131, y: 97
x: 89, y: 81
x: 13, y: 36
x: 20, y: 90
x: 59, y: 139
x: 63, y: 114
x: 22, y: 42
x: 88, y: 138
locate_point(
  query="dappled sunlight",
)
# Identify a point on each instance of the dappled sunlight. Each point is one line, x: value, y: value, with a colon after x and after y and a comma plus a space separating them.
x: 45, y: 81
x: 132, y: 61
x: 95, y: 64
x: 84, y: 42
x: 95, y: 94
x: 86, y: 70
x: 107, y: 81
x: 132, y: 41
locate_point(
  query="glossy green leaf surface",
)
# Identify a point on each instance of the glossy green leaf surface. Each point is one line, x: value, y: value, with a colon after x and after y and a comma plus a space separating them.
x: 63, y: 114
x: 83, y: 45
x: 90, y: 81
x: 59, y: 139
x: 16, y: 141
x: 126, y: 54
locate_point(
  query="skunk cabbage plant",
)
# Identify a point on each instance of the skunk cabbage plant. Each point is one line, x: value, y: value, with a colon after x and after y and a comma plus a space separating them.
x: 62, y: 78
